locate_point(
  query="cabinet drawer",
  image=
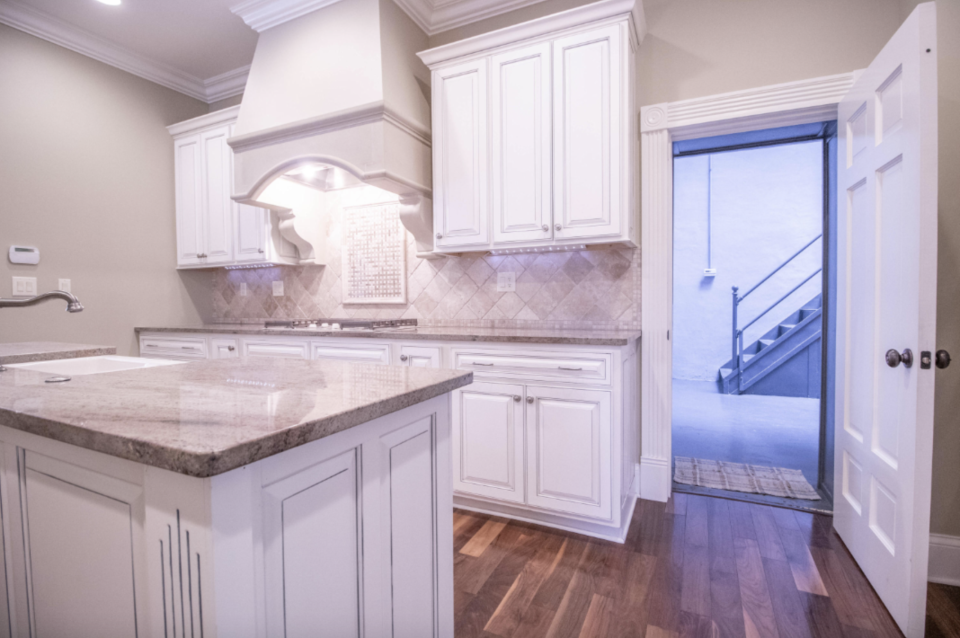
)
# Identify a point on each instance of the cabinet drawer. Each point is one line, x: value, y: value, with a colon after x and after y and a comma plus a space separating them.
x: 374, y: 353
x: 173, y: 347
x: 589, y: 368
x: 265, y: 348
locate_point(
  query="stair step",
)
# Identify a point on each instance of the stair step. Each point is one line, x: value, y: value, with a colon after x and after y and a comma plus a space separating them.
x: 725, y: 373
x: 787, y: 327
x: 766, y: 342
x: 747, y: 357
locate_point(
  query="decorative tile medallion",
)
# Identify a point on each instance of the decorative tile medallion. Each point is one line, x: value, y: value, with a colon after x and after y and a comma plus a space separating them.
x: 373, y: 255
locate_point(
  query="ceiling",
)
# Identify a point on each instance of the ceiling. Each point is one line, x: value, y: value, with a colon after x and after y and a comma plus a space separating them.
x: 197, y: 47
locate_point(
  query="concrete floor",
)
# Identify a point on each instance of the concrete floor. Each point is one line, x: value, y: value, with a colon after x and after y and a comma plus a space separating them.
x: 760, y: 430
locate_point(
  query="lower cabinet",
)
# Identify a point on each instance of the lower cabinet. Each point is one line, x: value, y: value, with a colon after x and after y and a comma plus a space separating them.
x: 488, y: 441
x: 420, y: 357
x: 286, y: 349
x: 340, y: 350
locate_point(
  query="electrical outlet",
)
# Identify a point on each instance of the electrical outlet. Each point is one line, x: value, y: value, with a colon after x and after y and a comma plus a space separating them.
x: 63, y: 284
x: 278, y: 289
x: 243, y: 289
x: 24, y: 286
x: 506, y: 282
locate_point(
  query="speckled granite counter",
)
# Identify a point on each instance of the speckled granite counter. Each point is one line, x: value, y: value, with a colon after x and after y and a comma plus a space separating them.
x: 493, y: 335
x: 208, y: 417
x: 29, y: 351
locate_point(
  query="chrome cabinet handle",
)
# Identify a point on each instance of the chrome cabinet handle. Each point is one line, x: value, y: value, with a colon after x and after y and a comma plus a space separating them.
x: 404, y: 357
x: 439, y: 235
x: 546, y: 228
x: 558, y: 227
x: 476, y: 363
x: 895, y: 358
x: 570, y: 369
x: 188, y: 348
x: 516, y: 398
x: 530, y: 399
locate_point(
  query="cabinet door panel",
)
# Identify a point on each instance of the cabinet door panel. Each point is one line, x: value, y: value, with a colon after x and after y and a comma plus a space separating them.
x: 290, y: 349
x: 420, y: 357
x: 189, y: 193
x: 79, y: 550
x: 224, y: 348
x: 460, y: 155
x: 217, y: 205
x: 251, y: 242
x: 488, y: 441
x: 340, y: 351
x: 568, y: 451
x: 520, y: 142
x: 587, y: 134
x: 313, y: 551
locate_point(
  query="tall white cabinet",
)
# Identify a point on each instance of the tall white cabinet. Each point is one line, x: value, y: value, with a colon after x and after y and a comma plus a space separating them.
x: 535, y: 134
x: 212, y: 229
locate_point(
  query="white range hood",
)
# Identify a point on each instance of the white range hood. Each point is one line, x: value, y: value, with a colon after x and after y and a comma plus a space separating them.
x: 336, y: 96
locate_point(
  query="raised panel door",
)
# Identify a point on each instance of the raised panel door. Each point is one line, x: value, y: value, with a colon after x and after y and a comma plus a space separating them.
x: 251, y: 231
x: 569, y: 451
x: 339, y: 351
x: 217, y: 209
x: 188, y: 197
x: 587, y: 133
x: 288, y: 349
x: 420, y: 357
x: 488, y: 441
x: 520, y: 144
x: 460, y: 155
x: 224, y: 348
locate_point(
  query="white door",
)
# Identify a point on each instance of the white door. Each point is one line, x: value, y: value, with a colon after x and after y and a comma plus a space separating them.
x: 217, y: 210
x: 488, y: 441
x: 887, y: 280
x: 586, y: 110
x: 460, y: 155
x: 251, y: 229
x: 520, y: 141
x: 187, y: 164
x: 568, y: 451
x: 420, y: 357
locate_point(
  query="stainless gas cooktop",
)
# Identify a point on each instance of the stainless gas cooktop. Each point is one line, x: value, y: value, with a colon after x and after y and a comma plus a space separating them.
x: 344, y: 324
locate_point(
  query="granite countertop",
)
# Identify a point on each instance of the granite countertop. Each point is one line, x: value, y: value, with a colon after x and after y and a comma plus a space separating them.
x: 428, y: 333
x: 208, y: 417
x: 29, y: 351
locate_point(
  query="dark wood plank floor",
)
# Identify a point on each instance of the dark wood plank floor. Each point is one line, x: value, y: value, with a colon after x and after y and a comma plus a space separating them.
x: 694, y: 567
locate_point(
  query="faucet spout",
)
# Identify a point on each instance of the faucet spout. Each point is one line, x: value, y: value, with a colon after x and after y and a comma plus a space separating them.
x: 73, y: 304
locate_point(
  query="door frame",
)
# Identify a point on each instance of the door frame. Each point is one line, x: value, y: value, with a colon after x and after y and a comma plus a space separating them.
x: 802, y: 102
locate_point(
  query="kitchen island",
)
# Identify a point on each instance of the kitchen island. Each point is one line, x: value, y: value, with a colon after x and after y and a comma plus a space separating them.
x: 232, y: 498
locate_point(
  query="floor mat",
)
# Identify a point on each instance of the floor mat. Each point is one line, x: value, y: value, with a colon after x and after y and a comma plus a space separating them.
x: 739, y: 477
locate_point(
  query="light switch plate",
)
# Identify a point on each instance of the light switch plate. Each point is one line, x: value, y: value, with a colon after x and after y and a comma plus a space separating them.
x: 506, y: 282
x: 63, y: 284
x: 278, y: 289
x: 24, y: 286
x: 243, y: 289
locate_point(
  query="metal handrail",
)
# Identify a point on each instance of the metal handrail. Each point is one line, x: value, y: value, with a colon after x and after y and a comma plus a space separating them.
x: 737, y: 341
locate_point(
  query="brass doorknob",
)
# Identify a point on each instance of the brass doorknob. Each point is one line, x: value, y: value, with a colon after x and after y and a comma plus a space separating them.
x: 895, y: 358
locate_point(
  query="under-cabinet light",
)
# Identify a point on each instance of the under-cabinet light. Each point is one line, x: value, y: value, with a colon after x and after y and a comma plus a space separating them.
x: 538, y: 249
x: 250, y: 266
x: 112, y: 3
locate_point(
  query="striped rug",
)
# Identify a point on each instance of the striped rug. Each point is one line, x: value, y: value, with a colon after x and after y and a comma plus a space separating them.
x: 739, y: 477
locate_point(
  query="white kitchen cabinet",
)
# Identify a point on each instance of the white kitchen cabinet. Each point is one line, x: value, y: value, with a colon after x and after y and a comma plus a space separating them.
x: 419, y: 357
x: 587, y: 134
x: 488, y: 441
x: 520, y: 142
x: 562, y: 135
x: 212, y: 229
x: 460, y: 155
x: 224, y: 348
x: 569, y: 456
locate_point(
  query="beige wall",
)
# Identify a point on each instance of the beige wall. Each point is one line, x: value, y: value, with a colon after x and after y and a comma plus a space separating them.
x: 86, y: 175
x: 697, y: 47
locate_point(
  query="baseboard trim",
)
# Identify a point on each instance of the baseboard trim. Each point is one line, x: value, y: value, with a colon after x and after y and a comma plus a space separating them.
x: 655, y: 480
x: 944, y: 566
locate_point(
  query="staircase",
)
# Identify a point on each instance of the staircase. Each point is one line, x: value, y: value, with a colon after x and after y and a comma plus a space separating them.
x: 783, y: 362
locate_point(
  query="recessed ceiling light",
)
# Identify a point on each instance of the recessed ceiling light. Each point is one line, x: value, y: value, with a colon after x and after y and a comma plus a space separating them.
x: 112, y: 3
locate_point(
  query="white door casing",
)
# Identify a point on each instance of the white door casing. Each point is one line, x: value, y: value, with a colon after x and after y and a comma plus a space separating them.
x: 887, y: 283
x: 488, y: 441
x: 520, y: 142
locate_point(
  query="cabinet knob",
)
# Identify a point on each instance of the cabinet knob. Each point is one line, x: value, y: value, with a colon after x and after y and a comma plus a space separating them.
x: 199, y: 256
x: 545, y: 228
x: 260, y: 250
x: 404, y: 357
x: 516, y: 398
x: 558, y: 227
x: 530, y: 399
x: 231, y: 348
x: 439, y: 235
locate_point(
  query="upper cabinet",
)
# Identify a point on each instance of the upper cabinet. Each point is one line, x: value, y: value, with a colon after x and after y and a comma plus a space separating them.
x: 212, y: 229
x: 535, y: 134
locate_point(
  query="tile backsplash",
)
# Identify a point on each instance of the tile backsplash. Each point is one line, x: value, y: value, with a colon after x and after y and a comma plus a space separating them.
x: 597, y: 289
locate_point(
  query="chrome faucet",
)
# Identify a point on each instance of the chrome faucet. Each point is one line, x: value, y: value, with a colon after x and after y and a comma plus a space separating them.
x: 73, y: 304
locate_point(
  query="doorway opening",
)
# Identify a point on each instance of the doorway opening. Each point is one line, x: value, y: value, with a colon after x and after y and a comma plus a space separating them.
x: 753, y: 291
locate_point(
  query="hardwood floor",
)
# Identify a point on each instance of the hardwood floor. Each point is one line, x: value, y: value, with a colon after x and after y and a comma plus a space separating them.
x: 694, y: 567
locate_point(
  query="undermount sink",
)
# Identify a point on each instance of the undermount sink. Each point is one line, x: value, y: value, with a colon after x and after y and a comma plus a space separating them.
x: 92, y: 365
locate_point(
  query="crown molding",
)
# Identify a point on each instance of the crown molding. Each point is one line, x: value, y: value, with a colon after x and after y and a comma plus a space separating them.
x: 210, y: 120
x: 552, y: 23
x: 47, y: 27
x: 261, y: 15
x: 450, y: 15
